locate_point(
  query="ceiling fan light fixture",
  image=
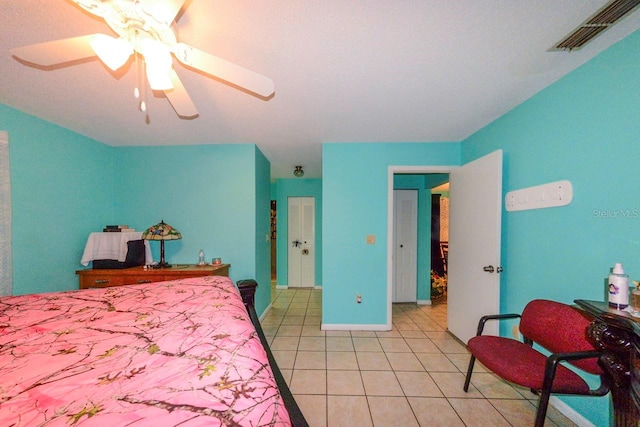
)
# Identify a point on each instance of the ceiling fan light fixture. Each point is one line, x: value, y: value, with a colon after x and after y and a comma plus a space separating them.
x: 161, y: 12
x: 158, y: 64
x: 113, y: 52
x: 158, y: 78
x: 146, y: 28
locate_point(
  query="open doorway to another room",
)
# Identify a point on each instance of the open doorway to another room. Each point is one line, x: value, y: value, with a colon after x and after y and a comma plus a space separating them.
x: 420, y: 232
x: 274, y: 252
x: 474, y: 240
x: 439, y: 242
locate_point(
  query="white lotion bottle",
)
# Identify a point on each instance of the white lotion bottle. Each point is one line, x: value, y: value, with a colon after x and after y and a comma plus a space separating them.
x: 618, y: 287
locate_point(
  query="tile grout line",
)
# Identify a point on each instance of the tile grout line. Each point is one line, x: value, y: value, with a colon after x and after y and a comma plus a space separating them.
x: 414, y: 321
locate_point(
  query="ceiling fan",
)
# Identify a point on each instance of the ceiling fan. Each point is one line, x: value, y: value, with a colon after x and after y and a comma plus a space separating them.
x: 144, y: 27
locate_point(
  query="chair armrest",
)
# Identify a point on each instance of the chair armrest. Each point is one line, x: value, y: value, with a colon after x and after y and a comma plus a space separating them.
x: 554, y: 359
x: 484, y: 319
x: 576, y: 355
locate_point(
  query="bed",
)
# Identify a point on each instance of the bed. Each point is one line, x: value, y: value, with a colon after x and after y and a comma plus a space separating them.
x: 187, y: 352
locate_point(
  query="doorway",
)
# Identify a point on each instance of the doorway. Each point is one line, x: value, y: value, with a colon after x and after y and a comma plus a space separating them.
x: 475, y: 220
x: 424, y: 270
x: 301, y: 237
x: 420, y: 238
x: 273, y: 237
x: 439, y: 243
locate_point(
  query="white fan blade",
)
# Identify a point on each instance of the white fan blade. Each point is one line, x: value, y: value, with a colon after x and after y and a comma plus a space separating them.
x: 224, y: 70
x: 180, y: 99
x: 95, y: 7
x: 163, y: 11
x: 56, y: 52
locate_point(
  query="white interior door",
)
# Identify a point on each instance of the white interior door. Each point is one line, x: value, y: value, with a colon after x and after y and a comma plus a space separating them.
x: 301, y: 236
x: 475, y: 208
x: 405, y: 204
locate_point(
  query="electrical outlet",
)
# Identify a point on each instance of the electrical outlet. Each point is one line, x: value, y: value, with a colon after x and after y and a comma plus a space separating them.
x: 359, y: 299
x: 371, y: 239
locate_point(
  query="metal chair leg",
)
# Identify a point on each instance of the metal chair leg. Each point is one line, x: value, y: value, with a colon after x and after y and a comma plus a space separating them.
x: 543, y: 403
x: 467, y: 380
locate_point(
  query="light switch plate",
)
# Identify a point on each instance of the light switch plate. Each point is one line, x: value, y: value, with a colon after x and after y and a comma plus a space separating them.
x: 371, y: 239
x: 559, y: 193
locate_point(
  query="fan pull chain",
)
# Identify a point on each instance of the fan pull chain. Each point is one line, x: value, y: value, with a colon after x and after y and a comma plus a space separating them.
x: 145, y: 94
x: 142, y: 105
x: 143, y: 101
x: 136, y: 91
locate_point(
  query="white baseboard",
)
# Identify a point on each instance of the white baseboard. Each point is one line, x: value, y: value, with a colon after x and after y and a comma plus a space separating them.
x: 424, y: 302
x: 569, y: 412
x: 264, y: 313
x: 287, y: 287
x: 345, y: 327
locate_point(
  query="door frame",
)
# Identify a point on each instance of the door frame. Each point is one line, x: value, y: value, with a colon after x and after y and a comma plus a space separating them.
x: 391, y: 171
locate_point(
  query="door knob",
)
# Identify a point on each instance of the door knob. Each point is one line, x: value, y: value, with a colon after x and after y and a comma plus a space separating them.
x: 488, y: 268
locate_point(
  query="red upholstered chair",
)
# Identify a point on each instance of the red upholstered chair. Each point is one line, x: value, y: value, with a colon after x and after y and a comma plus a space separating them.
x: 559, y: 328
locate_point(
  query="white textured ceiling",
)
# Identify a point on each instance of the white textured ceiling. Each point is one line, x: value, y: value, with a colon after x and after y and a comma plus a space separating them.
x: 344, y: 71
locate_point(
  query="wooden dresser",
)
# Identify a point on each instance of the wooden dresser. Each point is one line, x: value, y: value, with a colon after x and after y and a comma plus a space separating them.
x: 617, y: 334
x: 91, y: 278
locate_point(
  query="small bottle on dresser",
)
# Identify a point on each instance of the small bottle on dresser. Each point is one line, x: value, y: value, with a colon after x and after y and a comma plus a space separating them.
x: 618, y: 287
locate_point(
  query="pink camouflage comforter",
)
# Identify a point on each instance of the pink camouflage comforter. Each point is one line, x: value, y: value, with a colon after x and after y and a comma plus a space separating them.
x: 173, y: 353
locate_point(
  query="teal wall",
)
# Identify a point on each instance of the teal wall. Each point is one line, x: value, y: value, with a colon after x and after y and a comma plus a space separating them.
x: 585, y: 129
x: 297, y: 187
x: 61, y: 187
x: 209, y: 193
x: 192, y: 188
x: 65, y: 186
x: 354, y: 197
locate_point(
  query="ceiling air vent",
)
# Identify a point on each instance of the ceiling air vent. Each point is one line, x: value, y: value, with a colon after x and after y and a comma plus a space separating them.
x: 600, y: 21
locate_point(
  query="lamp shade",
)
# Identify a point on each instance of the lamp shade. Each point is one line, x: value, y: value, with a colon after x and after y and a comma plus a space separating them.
x: 161, y: 231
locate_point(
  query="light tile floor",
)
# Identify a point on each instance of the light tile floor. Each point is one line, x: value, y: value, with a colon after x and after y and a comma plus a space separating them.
x: 409, y: 376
